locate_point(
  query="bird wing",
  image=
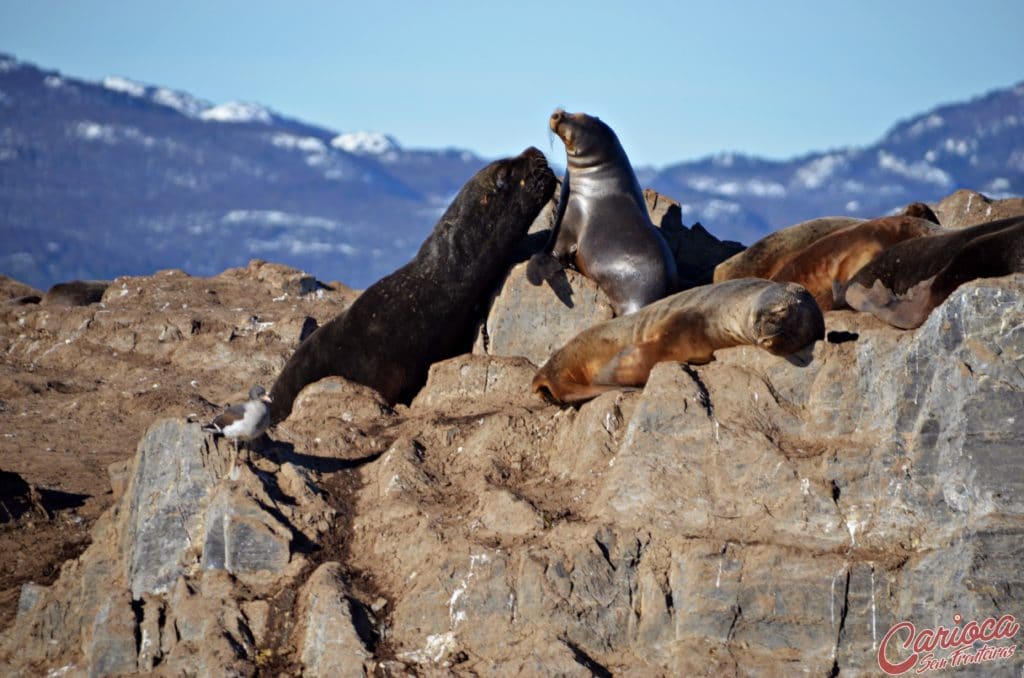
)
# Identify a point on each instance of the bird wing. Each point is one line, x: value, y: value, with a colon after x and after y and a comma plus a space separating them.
x: 227, y: 417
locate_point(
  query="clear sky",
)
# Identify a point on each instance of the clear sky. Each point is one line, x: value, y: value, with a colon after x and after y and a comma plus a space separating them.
x: 677, y: 80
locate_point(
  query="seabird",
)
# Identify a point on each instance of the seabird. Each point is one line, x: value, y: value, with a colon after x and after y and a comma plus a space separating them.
x: 246, y: 421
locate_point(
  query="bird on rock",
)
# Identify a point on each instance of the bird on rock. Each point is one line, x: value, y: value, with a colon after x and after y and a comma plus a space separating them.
x: 245, y: 421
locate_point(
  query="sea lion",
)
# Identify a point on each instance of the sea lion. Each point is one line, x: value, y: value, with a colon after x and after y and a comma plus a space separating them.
x: 688, y: 326
x: 766, y: 256
x: 838, y: 255
x: 921, y: 211
x: 400, y: 325
x: 602, y: 225
x: 903, y: 284
x: 76, y: 293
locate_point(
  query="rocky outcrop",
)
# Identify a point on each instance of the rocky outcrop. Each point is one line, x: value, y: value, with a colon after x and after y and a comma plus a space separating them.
x: 967, y: 208
x: 754, y: 516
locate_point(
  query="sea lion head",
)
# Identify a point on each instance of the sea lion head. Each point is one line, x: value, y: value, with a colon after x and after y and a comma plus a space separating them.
x: 523, y: 183
x: 785, y: 318
x: 587, y: 140
x: 921, y: 211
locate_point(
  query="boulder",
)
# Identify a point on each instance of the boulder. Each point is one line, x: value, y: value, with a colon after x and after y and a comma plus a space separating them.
x: 967, y: 208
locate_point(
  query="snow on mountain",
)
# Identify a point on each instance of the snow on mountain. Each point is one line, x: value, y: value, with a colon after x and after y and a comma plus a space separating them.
x: 179, y: 101
x: 238, y: 112
x: 99, y: 179
x: 124, y: 85
x: 372, y: 143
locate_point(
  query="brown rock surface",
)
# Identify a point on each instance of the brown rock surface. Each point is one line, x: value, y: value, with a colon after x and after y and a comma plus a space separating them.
x: 79, y: 386
x: 753, y: 516
x: 967, y: 208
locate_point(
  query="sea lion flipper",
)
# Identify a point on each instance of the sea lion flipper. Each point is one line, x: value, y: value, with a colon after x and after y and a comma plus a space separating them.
x: 542, y: 266
x: 839, y: 293
x: 905, y: 311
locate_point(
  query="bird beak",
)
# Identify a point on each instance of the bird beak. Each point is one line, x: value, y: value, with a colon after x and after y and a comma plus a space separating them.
x: 266, y: 399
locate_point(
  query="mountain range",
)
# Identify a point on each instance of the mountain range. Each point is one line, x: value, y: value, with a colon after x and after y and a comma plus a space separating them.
x: 117, y: 177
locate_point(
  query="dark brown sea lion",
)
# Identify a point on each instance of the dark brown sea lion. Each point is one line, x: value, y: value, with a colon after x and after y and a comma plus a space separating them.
x: 903, y: 284
x: 838, y: 255
x: 76, y: 293
x: 390, y: 335
x: 602, y: 226
x: 921, y: 211
x: 766, y: 256
x: 688, y: 327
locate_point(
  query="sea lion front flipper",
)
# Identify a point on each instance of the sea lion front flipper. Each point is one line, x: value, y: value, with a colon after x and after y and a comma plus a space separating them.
x: 545, y: 264
x: 542, y: 266
x: 631, y: 366
x: 839, y: 294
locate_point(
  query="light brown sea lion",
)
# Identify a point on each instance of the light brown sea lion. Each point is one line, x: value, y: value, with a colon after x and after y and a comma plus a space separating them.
x: 602, y: 226
x: 420, y: 314
x: 766, y: 256
x: 905, y: 283
x: 688, y: 326
x: 837, y: 256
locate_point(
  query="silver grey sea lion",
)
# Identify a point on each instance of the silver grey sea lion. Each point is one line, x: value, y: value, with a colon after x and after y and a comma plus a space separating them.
x: 422, y: 313
x: 602, y: 226
x: 688, y: 326
x: 903, y: 284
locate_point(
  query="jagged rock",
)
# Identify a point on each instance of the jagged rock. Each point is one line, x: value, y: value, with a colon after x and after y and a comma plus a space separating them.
x: 175, y: 471
x: 282, y: 279
x: 208, y: 633
x: 112, y: 649
x: 244, y: 539
x: 764, y: 511
x: 697, y: 252
x: 967, y: 208
x: 534, y: 321
x: 757, y: 515
x: 11, y: 290
x: 477, y: 378
x: 335, y: 403
x: 502, y: 513
x: 327, y: 641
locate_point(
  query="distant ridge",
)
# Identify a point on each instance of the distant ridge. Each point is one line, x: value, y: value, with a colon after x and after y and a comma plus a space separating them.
x: 99, y: 179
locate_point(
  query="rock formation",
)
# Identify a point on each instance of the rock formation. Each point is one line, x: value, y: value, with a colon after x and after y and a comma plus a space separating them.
x: 753, y: 516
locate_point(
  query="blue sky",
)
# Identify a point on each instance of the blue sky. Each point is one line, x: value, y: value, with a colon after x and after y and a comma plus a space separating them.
x: 676, y: 80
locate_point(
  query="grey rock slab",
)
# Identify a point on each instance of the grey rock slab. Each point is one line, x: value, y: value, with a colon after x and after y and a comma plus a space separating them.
x: 327, y: 641
x: 533, y: 321
x: 175, y: 470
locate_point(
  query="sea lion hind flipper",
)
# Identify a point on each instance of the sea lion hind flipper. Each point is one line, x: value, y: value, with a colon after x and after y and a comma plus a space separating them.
x: 905, y: 311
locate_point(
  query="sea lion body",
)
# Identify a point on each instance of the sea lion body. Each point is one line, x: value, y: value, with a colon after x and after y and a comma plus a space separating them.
x: 765, y: 257
x: 400, y: 325
x: 837, y: 256
x: 602, y: 225
x: 905, y: 283
x: 76, y: 293
x: 688, y: 326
